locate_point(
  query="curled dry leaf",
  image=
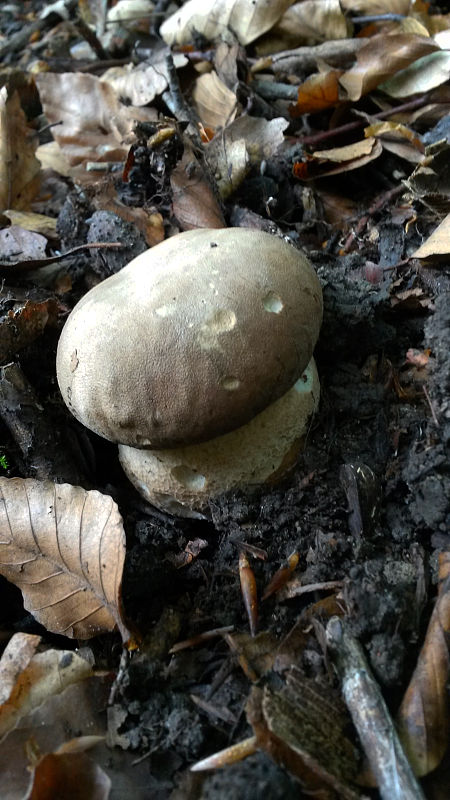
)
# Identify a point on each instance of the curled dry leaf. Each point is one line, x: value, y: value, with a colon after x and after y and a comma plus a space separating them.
x: 302, y: 727
x: 244, y: 19
x: 193, y: 201
x: 19, y: 167
x: 377, y: 6
x: 438, y: 244
x: 64, y: 548
x: 56, y: 771
x: 247, y: 140
x: 139, y: 85
x: 318, y: 92
x: 23, y: 323
x: 94, y: 122
x: 47, y: 674
x: 215, y: 102
x: 423, y: 717
x: 16, y: 656
x: 381, y: 58
x: 423, y: 75
x: 316, y: 21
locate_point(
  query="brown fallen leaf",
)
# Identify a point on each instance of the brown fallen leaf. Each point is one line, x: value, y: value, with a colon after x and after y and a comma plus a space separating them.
x: 16, y: 656
x: 382, y: 57
x: 19, y: 167
x: 64, y: 548
x: 423, y: 717
x: 338, y: 159
x: 194, y: 203
x: 75, y: 710
x: 245, y: 19
x: 302, y: 727
x: 23, y: 323
x: 46, y: 674
x: 90, y: 123
x: 318, y: 92
x: 438, y: 244
x: 69, y: 775
x: 216, y: 104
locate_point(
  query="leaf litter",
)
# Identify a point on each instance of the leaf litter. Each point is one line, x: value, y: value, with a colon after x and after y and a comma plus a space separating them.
x: 328, y: 123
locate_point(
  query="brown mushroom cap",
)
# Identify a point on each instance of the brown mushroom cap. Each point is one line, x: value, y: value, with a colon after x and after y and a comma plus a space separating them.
x: 182, y: 480
x: 190, y: 340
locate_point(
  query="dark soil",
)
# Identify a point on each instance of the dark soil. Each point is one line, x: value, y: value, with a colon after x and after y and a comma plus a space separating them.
x: 366, y: 505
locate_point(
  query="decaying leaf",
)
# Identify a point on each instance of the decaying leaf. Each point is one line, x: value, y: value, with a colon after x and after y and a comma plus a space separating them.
x: 216, y: 104
x: 338, y: 159
x: 423, y: 717
x: 64, y: 548
x: 438, y: 244
x: 245, y: 19
x: 47, y: 673
x: 140, y: 84
x: 430, y: 181
x: 77, y: 709
x: 28, y: 220
x: 56, y: 771
x: 381, y: 58
x: 423, y: 75
x: 193, y: 201
x: 19, y: 167
x: 247, y: 140
x: 318, y: 92
x: 92, y: 123
x: 302, y: 727
x: 16, y: 656
x: 23, y: 323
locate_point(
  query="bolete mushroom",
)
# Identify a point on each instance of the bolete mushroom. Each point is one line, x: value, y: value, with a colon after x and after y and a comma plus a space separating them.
x: 193, y: 339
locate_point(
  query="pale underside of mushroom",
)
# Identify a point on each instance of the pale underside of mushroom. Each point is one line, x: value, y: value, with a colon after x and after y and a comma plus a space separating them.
x: 183, y: 480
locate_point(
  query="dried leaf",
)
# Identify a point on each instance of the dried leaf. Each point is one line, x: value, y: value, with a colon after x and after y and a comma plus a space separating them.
x: 377, y: 6
x: 19, y: 167
x: 194, y: 204
x: 318, y: 92
x: 215, y: 103
x: 438, y: 244
x: 23, y: 323
x: 430, y: 181
x: 55, y: 772
x: 47, y: 674
x: 247, y: 140
x: 140, y: 84
x: 381, y: 58
x: 16, y: 656
x: 423, y: 717
x: 338, y: 159
x: 77, y: 709
x: 423, y: 75
x: 94, y: 122
x: 16, y: 241
x: 245, y: 19
x: 38, y: 223
x: 316, y: 21
x: 64, y: 548
x: 302, y: 727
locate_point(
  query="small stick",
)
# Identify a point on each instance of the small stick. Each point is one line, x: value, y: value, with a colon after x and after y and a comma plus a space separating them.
x: 231, y: 755
x: 392, y: 770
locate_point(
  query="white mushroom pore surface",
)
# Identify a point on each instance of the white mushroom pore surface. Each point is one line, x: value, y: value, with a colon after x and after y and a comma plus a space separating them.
x: 192, y: 340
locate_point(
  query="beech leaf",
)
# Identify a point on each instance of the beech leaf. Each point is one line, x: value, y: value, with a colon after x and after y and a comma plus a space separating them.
x: 64, y: 547
x: 246, y: 19
x: 423, y: 719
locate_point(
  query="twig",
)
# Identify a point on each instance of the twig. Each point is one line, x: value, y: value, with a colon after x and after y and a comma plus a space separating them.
x: 351, y: 126
x: 394, y: 775
x: 433, y: 412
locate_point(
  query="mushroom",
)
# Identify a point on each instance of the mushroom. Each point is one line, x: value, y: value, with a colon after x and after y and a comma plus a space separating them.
x: 195, y: 338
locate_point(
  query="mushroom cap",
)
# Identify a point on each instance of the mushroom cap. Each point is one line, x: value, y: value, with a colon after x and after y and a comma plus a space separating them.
x: 182, y: 480
x: 190, y: 340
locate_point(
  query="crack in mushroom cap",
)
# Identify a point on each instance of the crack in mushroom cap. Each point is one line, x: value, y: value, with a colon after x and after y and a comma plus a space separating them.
x: 190, y: 340
x: 183, y: 480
